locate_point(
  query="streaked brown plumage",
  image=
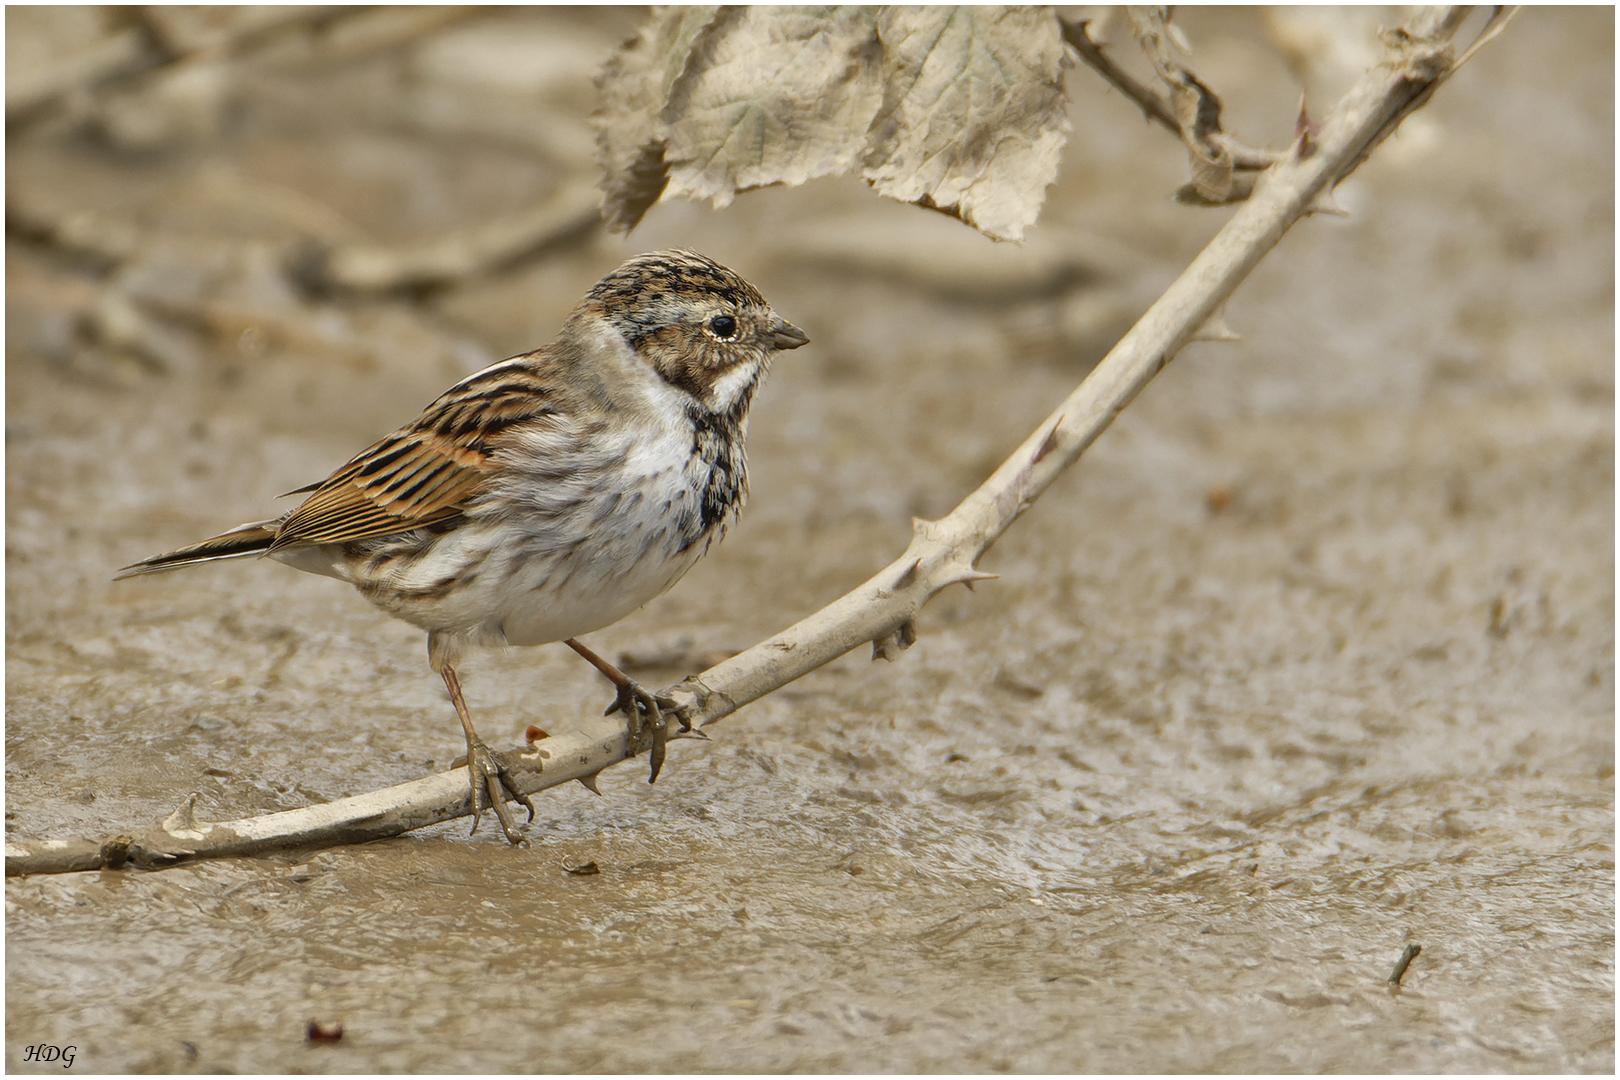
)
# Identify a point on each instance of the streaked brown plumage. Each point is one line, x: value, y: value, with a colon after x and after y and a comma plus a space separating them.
x: 552, y: 493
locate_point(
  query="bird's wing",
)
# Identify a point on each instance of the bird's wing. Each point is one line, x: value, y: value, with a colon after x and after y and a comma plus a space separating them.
x: 425, y: 473
x: 407, y: 480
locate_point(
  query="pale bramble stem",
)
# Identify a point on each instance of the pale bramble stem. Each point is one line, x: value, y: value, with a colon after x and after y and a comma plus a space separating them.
x: 1418, y: 59
x: 945, y: 552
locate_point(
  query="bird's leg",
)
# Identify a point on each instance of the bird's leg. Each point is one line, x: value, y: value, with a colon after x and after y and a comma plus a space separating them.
x: 489, y: 780
x: 638, y: 703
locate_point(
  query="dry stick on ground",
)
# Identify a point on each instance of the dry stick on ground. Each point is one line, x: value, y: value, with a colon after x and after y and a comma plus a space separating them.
x: 942, y: 552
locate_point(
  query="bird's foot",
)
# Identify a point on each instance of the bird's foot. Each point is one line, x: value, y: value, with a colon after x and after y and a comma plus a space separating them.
x: 645, y: 710
x: 492, y: 785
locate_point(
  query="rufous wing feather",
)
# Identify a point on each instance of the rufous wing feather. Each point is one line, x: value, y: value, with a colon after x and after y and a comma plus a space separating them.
x: 406, y: 481
x: 426, y: 473
x: 423, y: 474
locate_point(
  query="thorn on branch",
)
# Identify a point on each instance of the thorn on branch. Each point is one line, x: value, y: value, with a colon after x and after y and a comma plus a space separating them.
x: 908, y: 577
x: 147, y: 859
x: 968, y: 577
x: 1327, y: 202
x: 1215, y: 328
x: 183, y: 823
x: 891, y: 645
x: 1304, y: 130
x: 1048, y: 444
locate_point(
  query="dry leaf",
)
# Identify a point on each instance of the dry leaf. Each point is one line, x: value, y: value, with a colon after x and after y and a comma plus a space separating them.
x: 973, y: 119
x: 957, y: 109
x: 630, y: 135
x: 1197, y: 110
x: 772, y: 96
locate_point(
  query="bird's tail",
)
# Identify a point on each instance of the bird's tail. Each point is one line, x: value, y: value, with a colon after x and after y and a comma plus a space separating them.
x: 253, y: 538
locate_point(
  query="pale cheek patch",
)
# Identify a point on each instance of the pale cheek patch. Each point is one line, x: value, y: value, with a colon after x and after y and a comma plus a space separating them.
x: 732, y: 384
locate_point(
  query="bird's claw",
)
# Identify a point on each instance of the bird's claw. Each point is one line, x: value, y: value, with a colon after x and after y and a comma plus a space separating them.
x: 645, y: 710
x: 492, y: 786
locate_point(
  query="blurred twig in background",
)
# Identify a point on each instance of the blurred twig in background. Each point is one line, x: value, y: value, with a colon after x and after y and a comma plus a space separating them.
x: 484, y: 246
x: 153, y: 81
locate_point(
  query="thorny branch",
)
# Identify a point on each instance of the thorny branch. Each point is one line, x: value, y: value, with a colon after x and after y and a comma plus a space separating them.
x: 947, y: 551
x: 1154, y: 107
x: 942, y: 553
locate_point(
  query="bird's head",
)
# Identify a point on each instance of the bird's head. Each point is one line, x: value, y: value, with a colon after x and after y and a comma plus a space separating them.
x: 700, y: 326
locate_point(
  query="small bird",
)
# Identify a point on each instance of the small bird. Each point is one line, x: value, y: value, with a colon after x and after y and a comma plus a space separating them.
x: 552, y: 493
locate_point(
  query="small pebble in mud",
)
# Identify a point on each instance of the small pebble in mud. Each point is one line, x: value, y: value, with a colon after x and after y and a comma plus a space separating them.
x: 327, y: 1033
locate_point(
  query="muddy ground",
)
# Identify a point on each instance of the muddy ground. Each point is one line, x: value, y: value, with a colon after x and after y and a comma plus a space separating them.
x: 1309, y: 659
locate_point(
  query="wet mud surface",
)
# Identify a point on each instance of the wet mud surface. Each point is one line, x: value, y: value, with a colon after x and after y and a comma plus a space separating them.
x: 1310, y: 658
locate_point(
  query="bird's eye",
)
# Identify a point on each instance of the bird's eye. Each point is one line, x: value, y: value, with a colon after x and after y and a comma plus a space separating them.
x: 723, y: 327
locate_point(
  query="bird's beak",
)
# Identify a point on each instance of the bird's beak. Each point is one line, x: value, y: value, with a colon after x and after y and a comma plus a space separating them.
x: 787, y: 336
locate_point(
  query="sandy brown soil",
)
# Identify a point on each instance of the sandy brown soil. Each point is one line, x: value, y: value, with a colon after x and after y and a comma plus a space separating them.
x: 1310, y: 658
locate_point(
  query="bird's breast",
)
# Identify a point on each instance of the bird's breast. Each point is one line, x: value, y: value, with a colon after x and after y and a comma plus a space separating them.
x: 577, y: 528
x: 584, y: 550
